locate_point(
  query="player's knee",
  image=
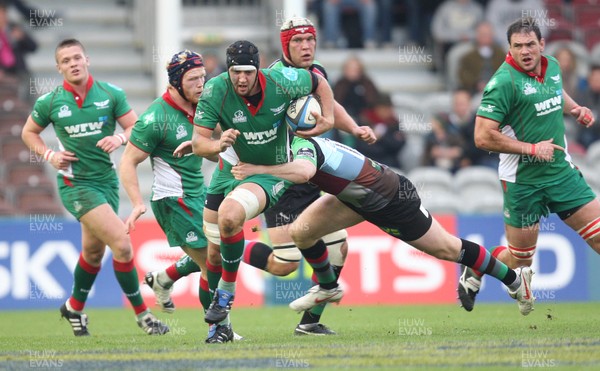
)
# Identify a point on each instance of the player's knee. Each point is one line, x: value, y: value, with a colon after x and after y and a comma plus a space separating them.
x: 123, y: 254
x: 93, y: 257
x: 301, y: 237
x: 247, y: 200
x: 229, y: 224
x: 121, y: 248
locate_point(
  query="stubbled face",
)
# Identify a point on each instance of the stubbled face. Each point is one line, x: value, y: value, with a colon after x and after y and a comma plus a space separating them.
x: 244, y: 82
x: 302, y: 50
x: 73, y: 64
x: 527, y: 50
x: 192, y: 84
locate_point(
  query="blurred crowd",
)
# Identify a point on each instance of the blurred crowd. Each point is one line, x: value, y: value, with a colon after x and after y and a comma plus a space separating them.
x: 467, y: 41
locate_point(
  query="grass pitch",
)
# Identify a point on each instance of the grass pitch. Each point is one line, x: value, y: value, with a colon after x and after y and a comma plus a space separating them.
x: 493, y: 336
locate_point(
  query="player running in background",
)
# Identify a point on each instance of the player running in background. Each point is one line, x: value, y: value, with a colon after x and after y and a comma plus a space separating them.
x: 84, y: 113
x: 164, y: 133
x: 250, y: 106
x: 521, y: 117
x: 361, y: 189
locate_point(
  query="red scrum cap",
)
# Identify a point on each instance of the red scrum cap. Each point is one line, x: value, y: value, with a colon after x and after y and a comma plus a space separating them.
x: 294, y: 26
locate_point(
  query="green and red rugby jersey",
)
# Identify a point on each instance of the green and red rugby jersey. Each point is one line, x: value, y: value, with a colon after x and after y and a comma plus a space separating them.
x: 79, y: 124
x: 528, y: 108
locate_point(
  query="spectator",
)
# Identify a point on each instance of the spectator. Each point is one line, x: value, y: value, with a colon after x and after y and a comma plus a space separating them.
x: 501, y: 13
x: 14, y: 44
x: 571, y: 81
x: 355, y: 90
x: 385, y: 15
x: 383, y: 120
x: 478, y: 65
x: 332, y: 12
x: 213, y: 65
x: 444, y: 145
x: 590, y: 97
x: 418, y: 17
x: 454, y: 21
x: 466, y: 122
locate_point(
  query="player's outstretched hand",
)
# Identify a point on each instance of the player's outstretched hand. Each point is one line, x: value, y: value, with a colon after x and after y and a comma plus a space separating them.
x: 544, y: 150
x: 365, y: 133
x: 323, y: 125
x: 137, y: 211
x: 62, y: 160
x: 583, y: 115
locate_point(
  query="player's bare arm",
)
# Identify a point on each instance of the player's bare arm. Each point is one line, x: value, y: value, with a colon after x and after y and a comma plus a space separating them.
x: 110, y: 143
x: 489, y: 138
x: 298, y: 171
x: 344, y: 122
x: 31, y: 137
x: 130, y: 160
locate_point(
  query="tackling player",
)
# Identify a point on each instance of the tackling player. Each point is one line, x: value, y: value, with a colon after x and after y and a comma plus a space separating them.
x: 361, y: 189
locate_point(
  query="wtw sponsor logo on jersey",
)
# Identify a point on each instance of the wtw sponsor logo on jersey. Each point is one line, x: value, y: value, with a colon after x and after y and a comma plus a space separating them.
x: 261, y: 137
x: 85, y: 129
x: 549, y: 105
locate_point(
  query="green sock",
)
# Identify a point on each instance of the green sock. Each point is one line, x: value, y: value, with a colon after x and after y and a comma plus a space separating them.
x: 128, y: 280
x: 186, y: 266
x: 214, y: 276
x: 232, y: 249
x: 83, y: 279
x: 204, y: 293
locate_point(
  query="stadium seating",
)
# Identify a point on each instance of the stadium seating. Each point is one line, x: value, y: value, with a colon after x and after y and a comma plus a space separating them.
x: 20, y: 174
x: 479, y: 176
x: 39, y: 199
x: 592, y: 156
x: 431, y: 179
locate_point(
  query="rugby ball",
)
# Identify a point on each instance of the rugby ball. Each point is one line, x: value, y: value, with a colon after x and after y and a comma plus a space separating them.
x: 298, y: 115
